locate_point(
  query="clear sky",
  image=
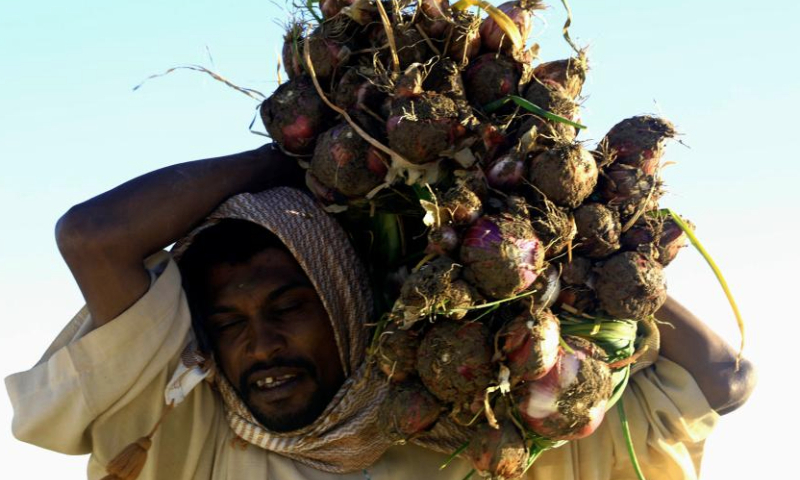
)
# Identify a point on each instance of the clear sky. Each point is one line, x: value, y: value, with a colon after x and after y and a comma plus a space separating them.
x: 72, y: 127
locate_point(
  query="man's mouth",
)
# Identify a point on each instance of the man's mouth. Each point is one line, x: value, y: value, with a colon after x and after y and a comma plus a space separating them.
x: 274, y: 382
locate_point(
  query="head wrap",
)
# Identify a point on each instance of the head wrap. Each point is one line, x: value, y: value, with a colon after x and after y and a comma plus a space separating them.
x: 347, y: 436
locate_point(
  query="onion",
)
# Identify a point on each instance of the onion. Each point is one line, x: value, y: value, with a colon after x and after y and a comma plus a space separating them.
x: 442, y: 240
x: 530, y: 345
x: 433, y: 127
x: 408, y: 410
x: 433, y: 290
x: 639, y: 141
x: 330, y: 8
x: 577, y: 271
x: 346, y: 163
x: 598, y: 230
x: 397, y: 353
x: 328, y: 51
x: 435, y: 17
x: 520, y: 12
x: 498, y: 452
x: 629, y: 189
x: 295, y: 115
x: 491, y: 77
x: 662, y: 240
x: 460, y: 206
x: 465, y: 39
x: 501, y: 254
x: 292, y: 42
x: 566, y: 174
x: 547, y: 287
x: 630, y: 285
x: 570, y: 401
x: 454, y: 360
x: 567, y: 75
x: 506, y: 173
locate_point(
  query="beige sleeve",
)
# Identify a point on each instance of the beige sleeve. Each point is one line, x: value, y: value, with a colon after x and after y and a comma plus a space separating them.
x: 91, y: 373
x: 669, y: 420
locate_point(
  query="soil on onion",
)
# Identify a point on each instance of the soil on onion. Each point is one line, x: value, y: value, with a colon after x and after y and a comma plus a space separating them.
x: 566, y: 174
x: 630, y: 285
x: 454, y: 360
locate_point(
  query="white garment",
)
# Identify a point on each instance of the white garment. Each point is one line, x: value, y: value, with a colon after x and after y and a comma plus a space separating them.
x: 97, y: 390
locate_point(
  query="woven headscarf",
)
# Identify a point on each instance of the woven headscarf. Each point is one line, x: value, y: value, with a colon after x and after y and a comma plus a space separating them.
x: 346, y: 437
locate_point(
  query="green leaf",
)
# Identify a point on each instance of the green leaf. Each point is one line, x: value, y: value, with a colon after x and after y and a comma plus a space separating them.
x: 453, y: 455
x: 628, y: 441
x: 531, y: 107
x: 717, y: 272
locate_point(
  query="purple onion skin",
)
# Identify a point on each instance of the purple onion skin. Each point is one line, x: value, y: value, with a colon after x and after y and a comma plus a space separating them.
x: 494, y: 39
x: 506, y: 173
x: 673, y: 239
x: 501, y: 264
x: 442, y: 240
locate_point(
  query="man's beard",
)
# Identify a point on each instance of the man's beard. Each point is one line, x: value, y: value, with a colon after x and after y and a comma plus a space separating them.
x: 289, y: 421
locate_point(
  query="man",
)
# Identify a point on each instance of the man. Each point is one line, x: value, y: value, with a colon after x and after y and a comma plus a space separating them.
x: 275, y: 384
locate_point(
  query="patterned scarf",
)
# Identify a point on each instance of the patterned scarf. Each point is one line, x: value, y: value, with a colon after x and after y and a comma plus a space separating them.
x: 346, y: 437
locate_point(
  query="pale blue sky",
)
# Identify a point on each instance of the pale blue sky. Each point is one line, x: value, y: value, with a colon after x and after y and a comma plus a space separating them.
x: 724, y: 71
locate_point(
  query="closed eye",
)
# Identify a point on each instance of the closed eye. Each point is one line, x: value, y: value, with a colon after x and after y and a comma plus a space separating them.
x: 219, y: 323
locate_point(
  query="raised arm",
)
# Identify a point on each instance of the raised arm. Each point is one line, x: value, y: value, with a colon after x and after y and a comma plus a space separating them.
x: 105, y: 240
x: 711, y: 361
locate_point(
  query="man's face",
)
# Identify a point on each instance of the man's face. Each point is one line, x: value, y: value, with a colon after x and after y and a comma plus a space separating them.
x: 273, y: 339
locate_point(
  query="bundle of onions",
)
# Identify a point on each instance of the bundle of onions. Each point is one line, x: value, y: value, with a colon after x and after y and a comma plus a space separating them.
x: 512, y: 261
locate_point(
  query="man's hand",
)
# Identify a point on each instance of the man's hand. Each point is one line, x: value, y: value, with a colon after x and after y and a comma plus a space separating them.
x: 105, y: 240
x: 711, y: 361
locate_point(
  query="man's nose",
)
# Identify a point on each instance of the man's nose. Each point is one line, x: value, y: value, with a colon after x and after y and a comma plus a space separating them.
x: 265, y: 340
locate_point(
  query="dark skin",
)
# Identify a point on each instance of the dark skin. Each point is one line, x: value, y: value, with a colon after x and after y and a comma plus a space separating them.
x: 105, y: 240
x: 273, y: 339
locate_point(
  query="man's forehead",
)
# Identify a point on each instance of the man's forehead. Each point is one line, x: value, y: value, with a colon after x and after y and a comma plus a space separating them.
x: 272, y: 268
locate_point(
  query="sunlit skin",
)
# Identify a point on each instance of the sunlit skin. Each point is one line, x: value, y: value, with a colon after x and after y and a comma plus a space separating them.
x: 273, y: 339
